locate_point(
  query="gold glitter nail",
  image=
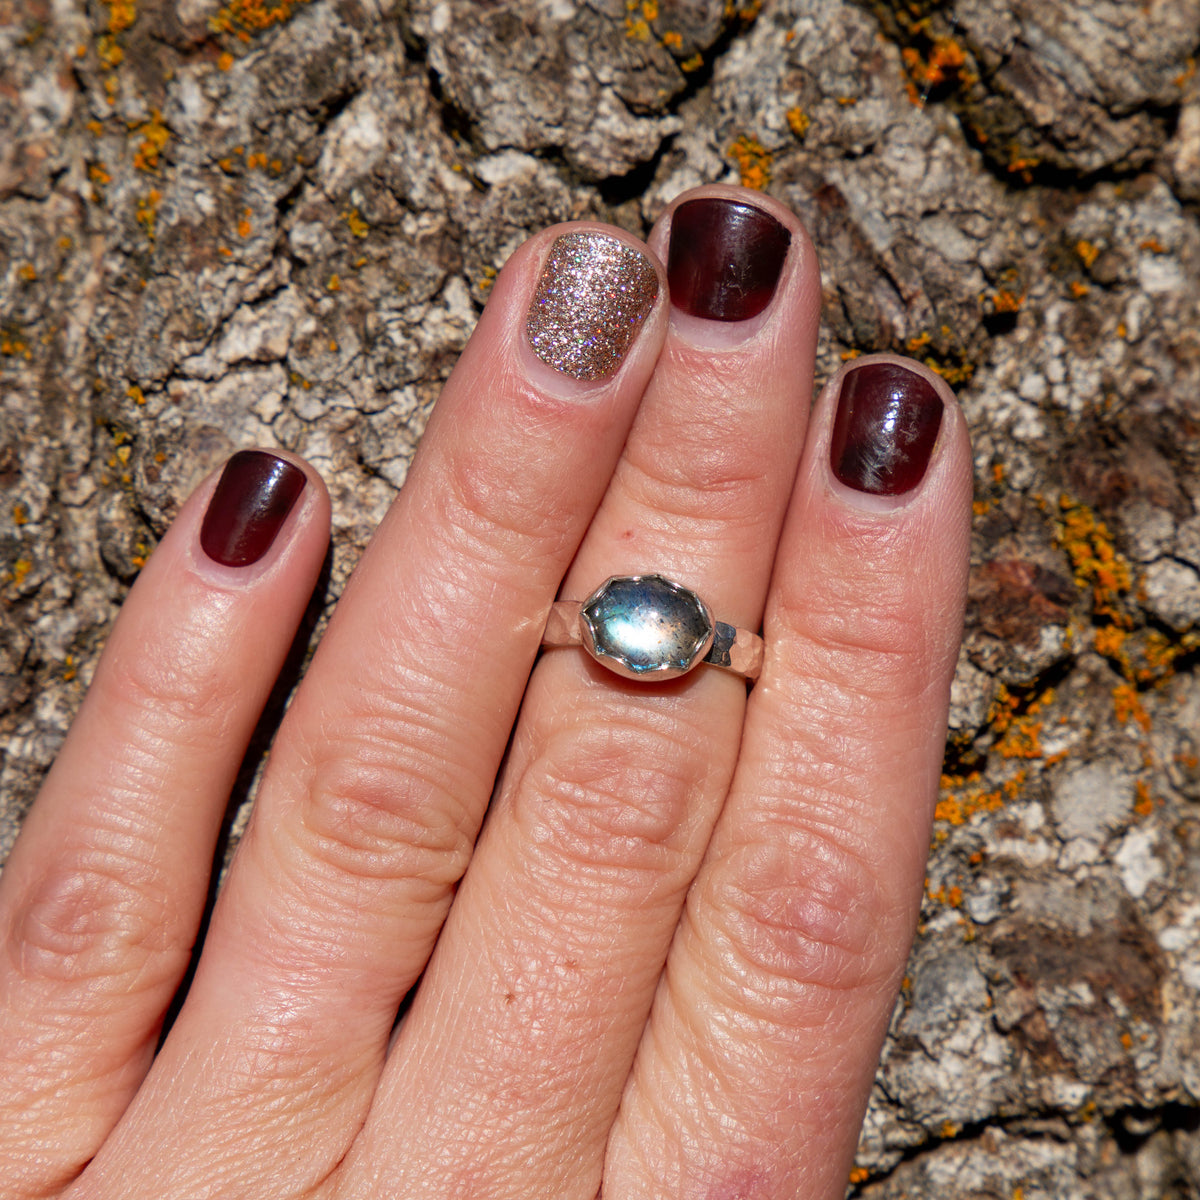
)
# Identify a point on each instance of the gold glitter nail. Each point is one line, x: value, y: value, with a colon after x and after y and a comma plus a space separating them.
x: 592, y: 297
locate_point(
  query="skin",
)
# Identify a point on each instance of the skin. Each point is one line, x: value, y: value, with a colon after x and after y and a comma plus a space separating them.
x: 673, y: 948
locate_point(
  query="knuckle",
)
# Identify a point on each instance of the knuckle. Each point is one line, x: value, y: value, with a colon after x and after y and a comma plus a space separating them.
x: 97, y: 915
x: 714, y: 485
x: 613, y: 793
x: 371, y: 811
x: 805, y: 921
x: 496, y: 514
x: 185, y: 683
x: 863, y: 620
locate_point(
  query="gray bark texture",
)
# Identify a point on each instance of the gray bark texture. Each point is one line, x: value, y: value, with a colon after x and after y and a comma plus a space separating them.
x: 275, y: 222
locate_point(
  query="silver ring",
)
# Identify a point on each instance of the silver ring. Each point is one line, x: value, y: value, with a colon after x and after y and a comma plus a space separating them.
x: 648, y: 627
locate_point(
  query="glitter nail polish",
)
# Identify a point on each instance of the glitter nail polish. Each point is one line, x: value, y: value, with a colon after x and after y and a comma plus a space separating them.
x: 593, y: 296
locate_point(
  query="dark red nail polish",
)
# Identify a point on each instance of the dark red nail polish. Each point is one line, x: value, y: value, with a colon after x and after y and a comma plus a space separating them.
x: 887, y: 422
x: 724, y: 258
x: 254, y: 495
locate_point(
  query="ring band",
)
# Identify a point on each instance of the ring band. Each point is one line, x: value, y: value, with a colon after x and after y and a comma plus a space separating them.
x: 650, y: 628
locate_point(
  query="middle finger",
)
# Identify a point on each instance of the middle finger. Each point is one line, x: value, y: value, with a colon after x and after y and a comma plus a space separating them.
x: 530, y: 1012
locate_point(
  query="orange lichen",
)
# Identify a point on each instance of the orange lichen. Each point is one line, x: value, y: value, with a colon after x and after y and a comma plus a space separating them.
x: 859, y: 1175
x: 155, y: 136
x: 1022, y: 739
x: 1023, y: 166
x: 1152, y: 245
x: 1144, y: 805
x: 121, y: 14
x: 244, y: 227
x: 1127, y: 705
x: 798, y: 121
x: 109, y: 52
x: 244, y: 18
x: 147, y: 211
x: 27, y: 272
x: 224, y: 61
x: 962, y: 798
x: 1005, y: 301
x: 1088, y: 252
x: 354, y: 222
x: 1110, y: 641
x: 753, y: 160
x: 1097, y: 566
x: 672, y: 40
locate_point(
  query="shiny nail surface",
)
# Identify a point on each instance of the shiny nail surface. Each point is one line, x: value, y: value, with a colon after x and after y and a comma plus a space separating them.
x: 593, y: 296
x: 724, y: 258
x: 887, y: 422
x: 253, y: 497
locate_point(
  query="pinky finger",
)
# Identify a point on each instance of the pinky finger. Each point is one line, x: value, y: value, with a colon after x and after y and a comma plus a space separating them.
x: 102, y: 896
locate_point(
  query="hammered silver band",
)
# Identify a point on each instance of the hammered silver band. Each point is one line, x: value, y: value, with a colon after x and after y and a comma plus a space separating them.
x: 650, y: 628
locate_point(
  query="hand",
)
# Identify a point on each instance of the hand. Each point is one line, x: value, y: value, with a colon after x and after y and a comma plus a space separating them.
x: 665, y: 966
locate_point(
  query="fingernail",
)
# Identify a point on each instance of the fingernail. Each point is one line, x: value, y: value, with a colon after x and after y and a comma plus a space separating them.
x: 887, y: 422
x: 253, y: 497
x: 724, y: 258
x: 593, y: 296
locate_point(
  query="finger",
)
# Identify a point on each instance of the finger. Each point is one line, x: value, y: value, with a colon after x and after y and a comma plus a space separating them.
x: 530, y: 1014
x: 756, y: 1065
x: 386, y: 761
x: 102, y: 896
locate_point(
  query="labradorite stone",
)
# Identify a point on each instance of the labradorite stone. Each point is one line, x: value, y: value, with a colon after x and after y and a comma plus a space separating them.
x: 645, y: 626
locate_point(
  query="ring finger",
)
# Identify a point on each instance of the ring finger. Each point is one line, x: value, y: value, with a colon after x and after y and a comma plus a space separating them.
x: 531, y: 1010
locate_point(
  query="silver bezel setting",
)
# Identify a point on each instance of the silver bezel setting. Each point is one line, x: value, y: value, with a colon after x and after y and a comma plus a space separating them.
x: 689, y: 654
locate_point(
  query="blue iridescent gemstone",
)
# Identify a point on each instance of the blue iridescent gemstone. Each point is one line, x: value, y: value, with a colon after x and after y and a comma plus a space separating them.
x: 646, y: 627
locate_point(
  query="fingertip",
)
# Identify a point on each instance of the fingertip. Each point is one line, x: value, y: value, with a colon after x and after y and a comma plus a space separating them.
x: 889, y: 433
x: 738, y: 262
x: 577, y: 308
